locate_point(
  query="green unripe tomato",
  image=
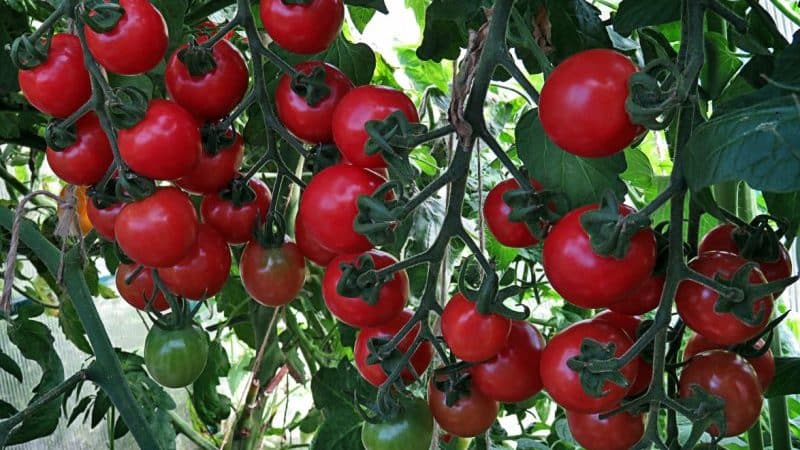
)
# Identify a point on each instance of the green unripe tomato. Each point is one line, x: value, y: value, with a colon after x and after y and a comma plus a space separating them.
x: 175, y: 358
x: 412, y: 429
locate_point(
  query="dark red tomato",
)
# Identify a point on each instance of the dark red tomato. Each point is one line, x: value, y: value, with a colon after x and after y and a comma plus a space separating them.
x: 104, y: 219
x: 361, y: 105
x: 472, y: 414
x: 374, y: 373
x: 214, y: 172
x: 272, y: 276
x: 136, y: 44
x: 214, y: 94
x: 165, y: 145
x: 564, y: 384
x: 618, y: 432
x: 512, y: 375
x: 642, y: 299
x: 158, y: 231
x: 61, y: 84
x: 496, y: 211
x: 328, y: 207
x: 355, y: 311
x: 234, y: 223
x: 204, y: 270
x: 472, y: 336
x: 764, y: 365
x: 87, y: 160
x: 643, y: 378
x: 311, y: 123
x: 303, y: 28
x: 586, y: 279
x: 582, y: 106
x: 696, y: 303
x: 140, y: 290
x: 729, y: 376
x: 630, y: 325
x: 308, y: 244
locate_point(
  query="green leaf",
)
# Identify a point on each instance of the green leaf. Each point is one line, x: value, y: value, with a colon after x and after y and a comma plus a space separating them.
x: 575, y: 25
x: 424, y: 73
x: 721, y: 65
x: 357, y: 61
x: 447, y: 25
x: 173, y: 12
x: 10, y: 366
x: 72, y: 326
x: 211, y: 406
x: 360, y: 16
x: 786, y: 206
x: 155, y: 402
x: 234, y: 303
x: 378, y: 5
x: 6, y: 410
x: 12, y: 24
x: 635, y: 14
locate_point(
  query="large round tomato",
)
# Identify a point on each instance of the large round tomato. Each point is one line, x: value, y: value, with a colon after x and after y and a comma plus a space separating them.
x: 496, y: 211
x: 236, y: 223
x: 158, y: 231
x: 104, y: 219
x: 587, y: 279
x: 360, y: 106
x: 204, y: 270
x: 618, y: 432
x: 472, y: 336
x: 214, y: 94
x: 512, y: 375
x: 410, y: 429
x: 374, y: 372
x: 136, y: 44
x: 272, y: 276
x: 328, y: 207
x: 311, y: 123
x: 175, y: 358
x: 308, y: 244
x: 630, y: 325
x: 81, y: 205
x: 87, y: 160
x: 61, y: 84
x: 582, y: 105
x: 564, y: 384
x: 472, y: 414
x: 302, y: 28
x: 696, y: 303
x: 726, y: 375
x: 641, y: 299
x: 764, y: 365
x: 354, y: 311
x: 139, y: 292
x: 214, y: 172
x: 165, y: 145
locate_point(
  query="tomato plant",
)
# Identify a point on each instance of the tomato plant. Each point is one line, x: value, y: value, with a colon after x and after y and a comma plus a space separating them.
x: 472, y: 336
x: 273, y: 276
x: 410, y: 429
x: 470, y: 415
x: 236, y: 222
x: 86, y: 160
x: 175, y: 358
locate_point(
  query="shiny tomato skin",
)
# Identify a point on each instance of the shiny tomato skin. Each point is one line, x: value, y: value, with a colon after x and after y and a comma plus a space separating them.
x: 471, y: 415
x: 272, y: 276
x: 729, y: 376
x: 329, y: 207
x: 586, y: 279
x: 212, y: 95
x: 61, y: 84
x: 165, y: 145
x: 236, y: 224
x: 374, y: 373
x: 87, y: 160
x: 582, y: 104
x: 564, y: 384
x: 630, y: 325
x: 472, y: 336
x: 136, y: 44
x: 308, y: 244
x: 303, y: 29
x: 764, y: 365
x: 359, y: 106
x: 158, y: 231
x: 643, y: 298
x: 311, y: 123
x: 496, y: 211
x: 618, y: 432
x: 204, y: 270
x: 140, y: 291
x: 410, y: 429
x: 176, y: 358
x: 356, y: 312
x: 512, y: 375
x: 214, y: 172
x: 104, y: 219
x: 696, y: 303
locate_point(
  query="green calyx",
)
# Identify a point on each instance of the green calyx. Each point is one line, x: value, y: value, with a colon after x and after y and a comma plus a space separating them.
x: 199, y: 60
x: 705, y: 410
x: 132, y: 187
x: 323, y: 156
x: 311, y: 86
x: 127, y: 106
x: 759, y: 241
x: 455, y: 386
x: 102, y: 16
x: 532, y: 207
x: 360, y: 280
x: 488, y: 297
x: 654, y: 94
x: 393, y: 139
x: 596, y: 365
x: 272, y: 232
x: 377, y: 217
x: 741, y: 300
x: 58, y: 136
x: 215, y: 139
x: 390, y: 361
x: 609, y: 232
x: 28, y: 52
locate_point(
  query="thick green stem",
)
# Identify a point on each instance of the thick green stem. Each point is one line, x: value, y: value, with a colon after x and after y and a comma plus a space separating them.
x: 186, y: 429
x: 755, y: 440
x: 778, y: 410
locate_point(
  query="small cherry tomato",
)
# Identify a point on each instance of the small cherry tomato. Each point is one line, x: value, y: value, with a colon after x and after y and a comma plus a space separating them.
x: 642, y: 299
x: 104, y: 219
x: 472, y: 336
x: 496, y: 211
x: 214, y: 172
x: 272, y: 276
x: 139, y: 292
x: 472, y: 414
x: 175, y: 358
x: 236, y: 223
x: 630, y: 325
x: 303, y: 28
x: 87, y: 160
x: 308, y: 244
x: 204, y: 270
x: 618, y: 432
x: 410, y: 429
x: 764, y: 365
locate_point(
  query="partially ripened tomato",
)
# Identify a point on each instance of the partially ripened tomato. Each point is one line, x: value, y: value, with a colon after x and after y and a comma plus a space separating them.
x: 87, y: 160
x: 304, y: 28
x: 472, y: 414
x: 236, y: 223
x: 642, y: 299
x: 204, y: 270
x: 618, y: 432
x: 214, y: 172
x: 410, y: 429
x: 496, y: 211
x: 764, y: 365
x: 582, y: 105
x: 103, y: 219
x: 175, y: 358
x: 272, y: 276
x: 81, y: 205
x: 308, y: 244
x: 472, y: 336
x: 140, y: 291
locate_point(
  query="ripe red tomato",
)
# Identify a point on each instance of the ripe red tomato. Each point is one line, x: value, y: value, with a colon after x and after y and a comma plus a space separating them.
x: 582, y: 105
x: 496, y: 211
x: 630, y: 325
x: 165, y: 145
x: 104, y: 219
x: 472, y: 414
x: 204, y: 270
x: 618, y: 432
x: 140, y: 290
x: 311, y: 123
x: 359, y: 106
x: 158, y: 231
x: 512, y: 375
x: 214, y: 172
x: 472, y: 336
x: 308, y: 244
x: 564, y: 384
x: 729, y: 376
x: 61, y: 84
x: 374, y: 372
x: 328, y: 207
x: 303, y: 29
x: 234, y: 223
x: 272, y: 276
x: 696, y: 303
x: 87, y: 160
x: 586, y: 279
x: 764, y: 365
x: 642, y: 299
x: 214, y: 94
x: 354, y: 311
x: 136, y: 44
